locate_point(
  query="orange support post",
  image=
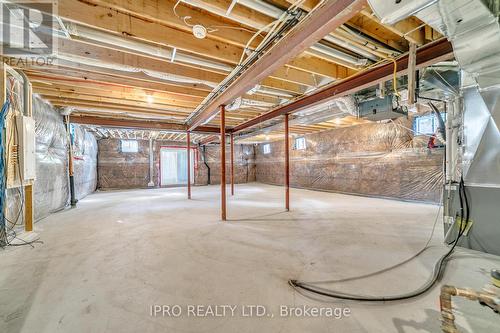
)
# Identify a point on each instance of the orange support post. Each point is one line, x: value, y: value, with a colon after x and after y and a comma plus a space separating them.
x: 222, y: 116
x: 232, y: 164
x: 287, y: 165
x: 188, y: 139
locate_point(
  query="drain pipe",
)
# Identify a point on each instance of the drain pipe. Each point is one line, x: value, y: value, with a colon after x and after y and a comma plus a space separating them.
x: 205, y: 162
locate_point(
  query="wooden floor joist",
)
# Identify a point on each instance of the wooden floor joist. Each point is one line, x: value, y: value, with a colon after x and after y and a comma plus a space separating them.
x: 315, y: 26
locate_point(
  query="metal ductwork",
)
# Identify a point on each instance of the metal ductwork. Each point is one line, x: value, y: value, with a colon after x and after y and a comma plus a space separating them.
x: 82, y: 32
x: 240, y: 103
x: 124, y: 68
x: 470, y: 25
x: 274, y: 12
x: 474, y: 31
x: 337, y: 108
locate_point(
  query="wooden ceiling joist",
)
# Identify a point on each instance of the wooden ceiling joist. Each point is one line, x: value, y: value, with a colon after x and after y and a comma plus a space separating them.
x: 426, y: 55
x: 327, y: 17
x: 141, y: 124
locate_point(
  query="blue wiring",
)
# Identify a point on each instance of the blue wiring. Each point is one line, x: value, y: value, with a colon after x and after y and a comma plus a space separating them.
x: 3, y: 115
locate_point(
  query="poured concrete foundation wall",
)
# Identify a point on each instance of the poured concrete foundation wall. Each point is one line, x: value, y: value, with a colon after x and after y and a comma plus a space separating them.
x: 383, y: 160
x: 119, y: 170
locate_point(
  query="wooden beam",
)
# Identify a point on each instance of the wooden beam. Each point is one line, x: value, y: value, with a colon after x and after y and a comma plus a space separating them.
x: 378, y: 32
x: 95, y: 108
x: 320, y: 66
x: 241, y: 14
x: 79, y: 49
x: 312, y: 28
x: 134, y: 26
x: 411, y: 28
x: 426, y: 55
x: 140, y: 124
x: 28, y: 208
x: 138, y: 28
x: 71, y: 76
x: 116, y: 101
x: 88, y: 94
x: 115, y: 91
x: 161, y: 11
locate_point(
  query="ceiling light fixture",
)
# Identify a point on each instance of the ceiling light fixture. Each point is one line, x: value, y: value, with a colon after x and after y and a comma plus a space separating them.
x: 199, y: 31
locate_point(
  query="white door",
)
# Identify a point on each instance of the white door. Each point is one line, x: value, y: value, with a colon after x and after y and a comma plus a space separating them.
x: 174, y: 166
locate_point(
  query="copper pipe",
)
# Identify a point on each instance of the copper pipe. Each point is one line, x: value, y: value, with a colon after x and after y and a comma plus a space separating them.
x: 448, y: 318
x: 223, y: 161
x: 188, y: 139
x: 287, y: 164
x: 232, y: 164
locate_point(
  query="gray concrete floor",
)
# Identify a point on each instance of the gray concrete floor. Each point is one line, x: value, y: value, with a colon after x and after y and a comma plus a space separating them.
x: 104, y: 264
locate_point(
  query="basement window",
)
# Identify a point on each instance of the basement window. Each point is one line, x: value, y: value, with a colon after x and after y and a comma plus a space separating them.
x: 427, y: 125
x: 129, y: 146
x: 266, y: 148
x: 299, y: 143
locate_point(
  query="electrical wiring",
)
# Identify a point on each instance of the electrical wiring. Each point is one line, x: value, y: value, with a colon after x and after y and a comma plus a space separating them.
x: 3, y: 231
x: 273, y: 27
x: 212, y: 28
x: 8, y: 235
x: 435, y: 276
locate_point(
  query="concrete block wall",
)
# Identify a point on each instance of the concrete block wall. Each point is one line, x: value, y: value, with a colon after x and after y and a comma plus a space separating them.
x: 117, y: 170
x: 383, y: 160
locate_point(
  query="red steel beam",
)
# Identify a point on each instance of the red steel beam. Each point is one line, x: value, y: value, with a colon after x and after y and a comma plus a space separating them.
x: 426, y: 55
x: 287, y: 164
x: 223, y: 161
x: 188, y: 146
x: 140, y: 124
x: 318, y: 23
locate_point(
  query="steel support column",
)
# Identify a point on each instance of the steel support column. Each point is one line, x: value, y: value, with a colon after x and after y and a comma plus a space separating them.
x: 287, y: 164
x: 222, y: 116
x: 188, y: 139
x: 232, y: 164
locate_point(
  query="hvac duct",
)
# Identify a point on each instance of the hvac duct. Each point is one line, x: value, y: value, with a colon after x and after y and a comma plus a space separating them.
x: 262, y: 7
x: 331, y: 52
x: 469, y: 24
x: 130, y: 69
x: 474, y: 32
x: 337, y: 108
x: 239, y: 103
x: 127, y: 43
x: 276, y: 13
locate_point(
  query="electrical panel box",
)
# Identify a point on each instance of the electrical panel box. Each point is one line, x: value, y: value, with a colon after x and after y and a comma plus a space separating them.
x: 380, y: 109
x: 26, y: 147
